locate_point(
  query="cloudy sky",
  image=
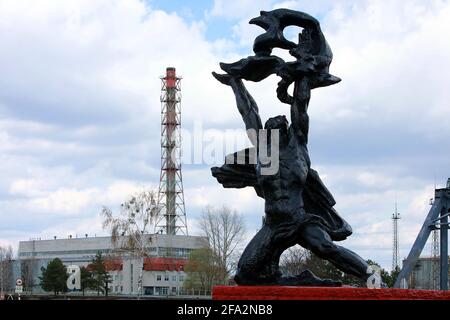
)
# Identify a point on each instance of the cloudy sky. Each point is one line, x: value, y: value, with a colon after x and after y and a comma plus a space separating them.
x: 80, y: 110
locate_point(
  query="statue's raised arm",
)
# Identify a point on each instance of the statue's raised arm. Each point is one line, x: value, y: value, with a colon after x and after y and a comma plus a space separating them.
x: 245, y: 103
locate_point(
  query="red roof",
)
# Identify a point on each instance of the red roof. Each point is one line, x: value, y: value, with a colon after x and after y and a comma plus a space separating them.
x: 114, y: 265
x: 164, y: 264
x: 110, y: 265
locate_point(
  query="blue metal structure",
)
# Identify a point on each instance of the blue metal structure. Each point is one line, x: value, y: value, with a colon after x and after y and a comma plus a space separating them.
x: 437, y: 218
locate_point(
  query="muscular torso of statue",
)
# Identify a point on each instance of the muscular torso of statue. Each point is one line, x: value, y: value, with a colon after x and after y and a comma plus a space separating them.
x: 283, y: 189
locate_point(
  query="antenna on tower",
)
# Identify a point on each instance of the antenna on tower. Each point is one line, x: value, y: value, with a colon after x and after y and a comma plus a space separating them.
x: 395, y: 242
x: 434, y: 181
x: 171, y: 217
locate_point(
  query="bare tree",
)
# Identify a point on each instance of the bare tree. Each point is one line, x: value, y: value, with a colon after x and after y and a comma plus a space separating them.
x: 203, y: 271
x: 6, y: 268
x: 225, y: 230
x: 27, y: 269
x: 293, y: 260
x: 130, y: 228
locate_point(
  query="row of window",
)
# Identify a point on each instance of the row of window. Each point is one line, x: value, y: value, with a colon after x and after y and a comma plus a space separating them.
x: 174, y: 252
x: 149, y: 290
x: 118, y: 277
x: 47, y: 253
x: 166, y: 277
x: 162, y: 251
x: 159, y: 291
x: 117, y: 289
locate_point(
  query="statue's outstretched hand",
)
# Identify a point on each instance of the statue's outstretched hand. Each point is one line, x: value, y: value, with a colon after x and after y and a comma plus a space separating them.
x: 223, y: 78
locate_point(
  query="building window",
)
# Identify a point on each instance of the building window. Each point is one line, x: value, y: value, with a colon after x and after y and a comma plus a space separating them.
x: 158, y: 277
x: 174, y: 252
x: 174, y: 278
x: 121, y: 288
x: 166, y: 277
x: 148, y: 291
x: 181, y: 278
x: 174, y: 290
x: 161, y: 291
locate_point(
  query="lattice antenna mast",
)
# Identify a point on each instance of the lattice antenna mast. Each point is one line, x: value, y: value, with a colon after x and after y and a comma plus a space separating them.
x: 435, y: 259
x: 434, y: 252
x: 171, y: 218
x: 395, y: 242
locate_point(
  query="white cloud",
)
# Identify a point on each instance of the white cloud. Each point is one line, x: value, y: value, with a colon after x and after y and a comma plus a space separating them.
x: 238, y: 9
x: 64, y: 201
x: 244, y: 200
x: 369, y: 179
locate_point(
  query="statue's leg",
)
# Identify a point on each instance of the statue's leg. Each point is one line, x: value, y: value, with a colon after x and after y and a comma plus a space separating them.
x: 317, y: 240
x: 259, y: 261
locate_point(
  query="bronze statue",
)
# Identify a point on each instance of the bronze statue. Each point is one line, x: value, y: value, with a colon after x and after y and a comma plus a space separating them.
x: 298, y: 206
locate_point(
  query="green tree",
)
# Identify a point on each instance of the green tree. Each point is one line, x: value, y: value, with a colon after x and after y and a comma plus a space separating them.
x: 204, y: 270
x: 100, y: 276
x: 54, y: 277
x: 86, y: 279
x: 394, y: 275
x: 389, y: 278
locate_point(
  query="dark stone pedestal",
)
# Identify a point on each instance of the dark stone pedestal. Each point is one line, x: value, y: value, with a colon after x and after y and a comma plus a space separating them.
x: 322, y: 293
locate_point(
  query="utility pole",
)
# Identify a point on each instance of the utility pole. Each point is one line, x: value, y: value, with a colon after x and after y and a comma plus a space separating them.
x: 395, y: 240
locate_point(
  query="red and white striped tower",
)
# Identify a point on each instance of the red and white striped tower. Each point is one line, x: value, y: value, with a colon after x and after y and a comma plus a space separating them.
x: 171, y: 217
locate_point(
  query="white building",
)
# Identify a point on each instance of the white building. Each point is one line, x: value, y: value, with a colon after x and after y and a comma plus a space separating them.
x: 162, y: 272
